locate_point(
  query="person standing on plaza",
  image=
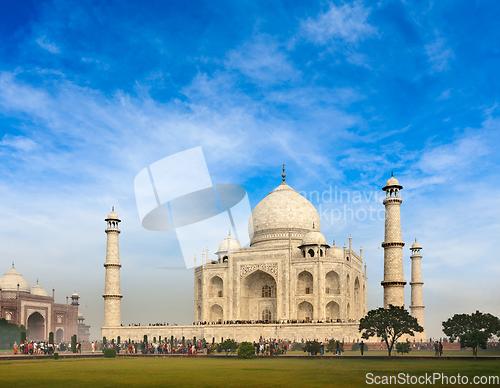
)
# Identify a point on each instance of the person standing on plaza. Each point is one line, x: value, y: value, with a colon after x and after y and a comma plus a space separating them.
x: 440, y: 347
x: 362, y: 347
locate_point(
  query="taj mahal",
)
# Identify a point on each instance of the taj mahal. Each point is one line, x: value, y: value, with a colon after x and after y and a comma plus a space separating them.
x: 289, y: 283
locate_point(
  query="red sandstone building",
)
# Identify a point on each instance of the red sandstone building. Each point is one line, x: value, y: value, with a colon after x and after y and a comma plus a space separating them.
x: 35, y: 309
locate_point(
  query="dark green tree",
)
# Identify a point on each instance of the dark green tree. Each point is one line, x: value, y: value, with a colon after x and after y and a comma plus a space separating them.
x: 389, y: 325
x: 332, y: 346
x: 313, y: 347
x: 403, y: 347
x: 246, y: 350
x: 10, y: 333
x: 472, y: 330
x: 73, y: 343
x: 227, y: 346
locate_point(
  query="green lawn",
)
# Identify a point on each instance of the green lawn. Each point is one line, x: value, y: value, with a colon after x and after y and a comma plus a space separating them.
x: 224, y: 372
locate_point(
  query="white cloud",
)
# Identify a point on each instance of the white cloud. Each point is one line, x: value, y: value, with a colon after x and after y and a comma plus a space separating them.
x: 263, y: 60
x: 44, y: 43
x: 439, y: 55
x: 18, y: 142
x: 347, y: 22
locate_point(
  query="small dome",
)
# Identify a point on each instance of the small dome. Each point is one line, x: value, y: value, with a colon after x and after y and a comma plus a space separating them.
x: 74, y: 295
x: 38, y: 290
x: 11, y: 279
x: 392, y: 182
x: 112, y: 216
x: 335, y: 252
x: 80, y: 315
x: 314, y: 237
x: 229, y: 245
x: 415, y: 245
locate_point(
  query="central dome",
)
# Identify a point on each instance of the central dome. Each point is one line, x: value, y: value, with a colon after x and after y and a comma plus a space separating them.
x: 10, y: 280
x: 284, y: 210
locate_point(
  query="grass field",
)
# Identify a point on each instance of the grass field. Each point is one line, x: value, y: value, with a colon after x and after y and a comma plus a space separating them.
x: 222, y: 372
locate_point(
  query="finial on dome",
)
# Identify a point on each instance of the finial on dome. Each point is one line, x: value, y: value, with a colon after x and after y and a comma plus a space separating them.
x: 392, y: 174
x: 36, y: 281
x: 313, y: 225
x: 415, y: 239
x: 283, y: 176
x: 229, y: 232
x: 12, y: 264
x: 112, y: 208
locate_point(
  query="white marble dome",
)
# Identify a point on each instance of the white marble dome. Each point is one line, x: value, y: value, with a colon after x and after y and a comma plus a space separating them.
x: 392, y: 182
x: 335, y: 252
x: 283, y: 208
x: 38, y: 290
x: 112, y: 216
x: 416, y: 245
x: 10, y: 280
x: 229, y: 245
x: 314, y: 237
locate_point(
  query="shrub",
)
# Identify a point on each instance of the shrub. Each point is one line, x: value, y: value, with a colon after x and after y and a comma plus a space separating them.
x: 110, y: 353
x: 56, y: 356
x: 298, y: 346
x: 312, y: 347
x: 357, y: 347
x: 403, y: 347
x: 246, y: 350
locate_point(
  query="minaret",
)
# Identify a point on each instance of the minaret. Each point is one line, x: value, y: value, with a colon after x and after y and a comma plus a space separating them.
x: 393, y: 282
x: 112, y: 296
x: 417, y: 299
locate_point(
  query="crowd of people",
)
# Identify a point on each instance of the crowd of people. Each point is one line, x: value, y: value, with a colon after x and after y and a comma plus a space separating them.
x: 40, y: 347
x: 271, y: 322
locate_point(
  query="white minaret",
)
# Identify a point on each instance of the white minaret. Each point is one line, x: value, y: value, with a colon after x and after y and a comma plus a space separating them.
x: 393, y: 282
x: 112, y: 296
x: 417, y: 299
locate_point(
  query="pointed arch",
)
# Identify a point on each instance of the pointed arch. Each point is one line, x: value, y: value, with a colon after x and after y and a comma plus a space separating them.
x: 305, y: 283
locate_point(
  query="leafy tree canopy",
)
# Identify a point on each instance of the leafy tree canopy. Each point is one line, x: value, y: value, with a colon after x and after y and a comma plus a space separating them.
x: 10, y: 333
x: 472, y: 330
x: 389, y: 325
x: 313, y: 347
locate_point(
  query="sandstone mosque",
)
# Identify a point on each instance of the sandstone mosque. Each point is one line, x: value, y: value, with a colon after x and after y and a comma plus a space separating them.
x: 289, y: 283
x: 36, y: 310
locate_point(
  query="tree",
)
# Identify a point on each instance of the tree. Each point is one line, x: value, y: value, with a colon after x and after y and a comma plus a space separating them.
x: 389, y: 324
x: 227, y: 346
x: 403, y: 347
x: 10, y: 333
x: 472, y: 330
x: 312, y: 347
x: 246, y: 350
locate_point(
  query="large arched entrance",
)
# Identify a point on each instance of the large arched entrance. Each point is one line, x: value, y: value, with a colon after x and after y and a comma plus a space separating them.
x: 258, y: 297
x: 59, y: 335
x: 36, y: 327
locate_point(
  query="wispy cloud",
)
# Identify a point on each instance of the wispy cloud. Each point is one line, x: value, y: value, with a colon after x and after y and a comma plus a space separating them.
x: 347, y: 22
x: 44, y: 43
x: 262, y: 60
x: 18, y: 142
x: 440, y: 55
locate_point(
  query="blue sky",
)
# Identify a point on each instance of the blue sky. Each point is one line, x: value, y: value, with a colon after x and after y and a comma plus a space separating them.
x: 342, y: 92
